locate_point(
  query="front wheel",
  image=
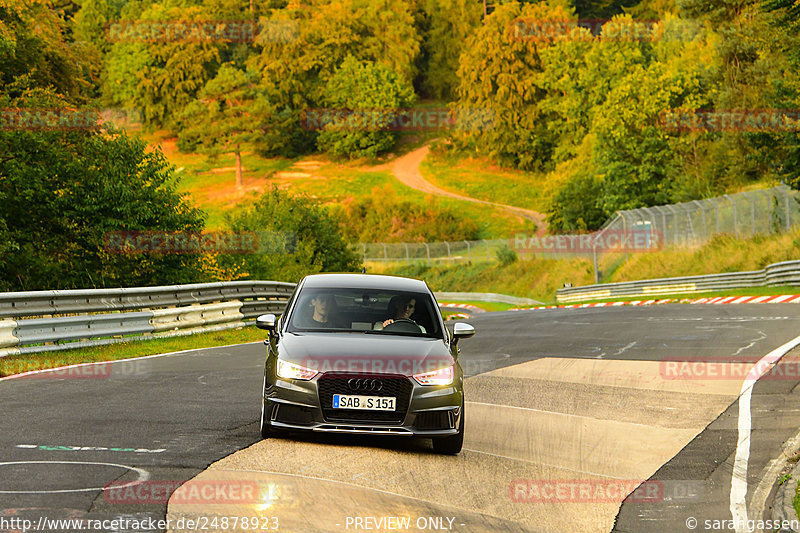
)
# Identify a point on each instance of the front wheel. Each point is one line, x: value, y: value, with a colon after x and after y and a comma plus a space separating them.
x: 451, y: 445
x: 266, y: 428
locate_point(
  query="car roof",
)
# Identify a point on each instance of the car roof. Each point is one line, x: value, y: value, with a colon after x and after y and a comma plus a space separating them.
x: 364, y: 281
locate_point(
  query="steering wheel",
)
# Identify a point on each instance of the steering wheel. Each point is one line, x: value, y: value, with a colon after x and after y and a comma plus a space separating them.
x: 404, y: 325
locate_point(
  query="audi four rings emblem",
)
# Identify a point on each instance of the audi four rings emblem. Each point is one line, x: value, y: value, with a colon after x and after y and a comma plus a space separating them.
x: 371, y: 385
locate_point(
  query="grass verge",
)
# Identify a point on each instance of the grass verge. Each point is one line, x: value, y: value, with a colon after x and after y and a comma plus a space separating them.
x: 17, y: 364
x: 483, y: 180
x: 486, y: 306
x: 539, y: 278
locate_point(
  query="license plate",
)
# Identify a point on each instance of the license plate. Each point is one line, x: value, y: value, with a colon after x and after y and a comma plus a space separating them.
x: 369, y: 403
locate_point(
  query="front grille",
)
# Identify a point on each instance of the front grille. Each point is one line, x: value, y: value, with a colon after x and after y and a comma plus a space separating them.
x: 391, y: 385
x: 433, y: 420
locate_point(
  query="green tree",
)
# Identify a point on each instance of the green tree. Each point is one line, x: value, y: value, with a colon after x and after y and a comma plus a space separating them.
x: 229, y: 112
x: 34, y: 47
x: 63, y: 191
x: 299, y: 237
x: 448, y: 26
x: 498, y: 75
x: 302, y: 46
x: 159, y: 77
x: 372, y: 95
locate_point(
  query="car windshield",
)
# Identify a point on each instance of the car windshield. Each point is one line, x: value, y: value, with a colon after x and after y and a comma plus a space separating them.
x: 372, y: 311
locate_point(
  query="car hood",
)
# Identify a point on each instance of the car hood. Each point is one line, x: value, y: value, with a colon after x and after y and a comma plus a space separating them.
x: 365, y: 353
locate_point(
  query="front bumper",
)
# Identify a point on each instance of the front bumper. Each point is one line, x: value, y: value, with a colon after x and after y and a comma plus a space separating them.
x: 428, y: 411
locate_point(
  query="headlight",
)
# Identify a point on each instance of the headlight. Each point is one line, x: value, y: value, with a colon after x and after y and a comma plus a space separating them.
x: 443, y: 376
x: 288, y: 370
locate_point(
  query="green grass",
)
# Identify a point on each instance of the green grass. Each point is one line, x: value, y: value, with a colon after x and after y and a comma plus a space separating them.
x: 213, y: 190
x: 796, y: 500
x: 483, y: 180
x: 16, y: 364
x: 540, y: 278
x: 486, y: 306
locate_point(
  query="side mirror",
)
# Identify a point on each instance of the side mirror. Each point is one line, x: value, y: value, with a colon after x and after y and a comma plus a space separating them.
x: 266, y: 322
x: 462, y: 330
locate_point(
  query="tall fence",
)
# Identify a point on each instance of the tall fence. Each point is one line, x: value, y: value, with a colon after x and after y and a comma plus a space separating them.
x: 743, y: 214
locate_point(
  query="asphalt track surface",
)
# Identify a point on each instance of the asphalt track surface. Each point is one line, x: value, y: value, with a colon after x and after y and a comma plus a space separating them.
x: 562, y: 396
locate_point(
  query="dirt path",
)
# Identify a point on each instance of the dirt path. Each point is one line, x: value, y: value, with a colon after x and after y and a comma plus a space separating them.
x: 406, y: 169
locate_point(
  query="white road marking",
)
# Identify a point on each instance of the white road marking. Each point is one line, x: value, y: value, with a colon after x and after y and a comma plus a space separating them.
x: 144, y: 475
x: 752, y: 343
x: 629, y: 346
x: 738, y: 502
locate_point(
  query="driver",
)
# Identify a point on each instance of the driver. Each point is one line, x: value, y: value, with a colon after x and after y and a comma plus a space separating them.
x: 402, y: 307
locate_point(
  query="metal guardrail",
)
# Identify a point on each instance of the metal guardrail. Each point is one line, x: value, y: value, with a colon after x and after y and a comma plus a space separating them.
x: 778, y: 274
x: 77, y: 318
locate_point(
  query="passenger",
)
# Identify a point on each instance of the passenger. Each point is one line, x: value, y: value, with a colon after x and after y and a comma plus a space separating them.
x: 325, y: 314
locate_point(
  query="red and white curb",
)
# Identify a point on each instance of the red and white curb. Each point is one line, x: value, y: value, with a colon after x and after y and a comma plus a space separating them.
x: 719, y: 300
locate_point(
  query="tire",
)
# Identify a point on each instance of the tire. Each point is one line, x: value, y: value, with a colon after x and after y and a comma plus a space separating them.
x: 266, y: 428
x: 451, y: 445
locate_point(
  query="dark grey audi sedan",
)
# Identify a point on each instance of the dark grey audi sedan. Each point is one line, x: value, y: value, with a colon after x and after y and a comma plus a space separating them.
x: 364, y: 354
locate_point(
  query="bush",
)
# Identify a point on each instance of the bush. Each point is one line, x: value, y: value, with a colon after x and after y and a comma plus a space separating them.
x: 297, y: 236
x: 506, y: 256
x: 382, y: 217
